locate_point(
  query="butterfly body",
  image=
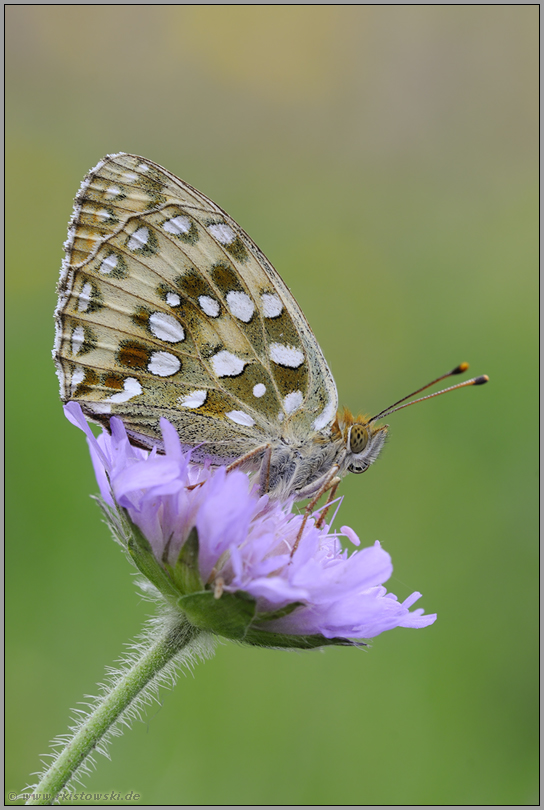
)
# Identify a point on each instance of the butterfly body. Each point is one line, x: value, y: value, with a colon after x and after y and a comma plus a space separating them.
x: 168, y: 309
x: 302, y: 467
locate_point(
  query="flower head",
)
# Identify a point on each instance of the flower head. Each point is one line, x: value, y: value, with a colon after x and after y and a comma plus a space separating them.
x: 224, y: 556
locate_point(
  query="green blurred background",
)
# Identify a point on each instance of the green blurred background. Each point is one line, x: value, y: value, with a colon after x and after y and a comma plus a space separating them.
x: 384, y: 158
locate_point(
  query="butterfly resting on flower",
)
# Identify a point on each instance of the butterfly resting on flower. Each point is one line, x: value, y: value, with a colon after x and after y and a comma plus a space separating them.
x: 168, y: 309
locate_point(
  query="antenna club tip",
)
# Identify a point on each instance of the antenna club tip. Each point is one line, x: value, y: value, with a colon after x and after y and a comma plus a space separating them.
x: 481, y: 380
x: 460, y: 369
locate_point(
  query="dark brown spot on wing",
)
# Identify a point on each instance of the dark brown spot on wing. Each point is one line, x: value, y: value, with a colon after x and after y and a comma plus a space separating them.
x: 192, y: 284
x: 132, y: 354
x: 141, y: 317
x: 281, y: 329
x: 85, y: 387
x: 290, y: 379
x: 225, y: 278
x: 115, y: 381
x: 237, y: 250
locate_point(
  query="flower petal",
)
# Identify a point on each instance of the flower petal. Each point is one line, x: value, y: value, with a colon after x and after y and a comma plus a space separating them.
x: 245, y: 542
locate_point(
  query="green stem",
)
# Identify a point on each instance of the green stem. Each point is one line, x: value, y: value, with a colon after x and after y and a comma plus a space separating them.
x: 111, y: 707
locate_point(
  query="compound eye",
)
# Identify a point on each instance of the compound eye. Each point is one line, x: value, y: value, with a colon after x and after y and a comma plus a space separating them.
x: 361, y: 467
x: 358, y: 438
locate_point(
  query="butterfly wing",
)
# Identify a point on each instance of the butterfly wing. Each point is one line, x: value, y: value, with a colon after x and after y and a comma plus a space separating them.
x: 167, y: 308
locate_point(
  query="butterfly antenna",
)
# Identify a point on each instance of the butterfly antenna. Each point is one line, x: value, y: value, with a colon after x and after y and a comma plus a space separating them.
x: 462, y: 367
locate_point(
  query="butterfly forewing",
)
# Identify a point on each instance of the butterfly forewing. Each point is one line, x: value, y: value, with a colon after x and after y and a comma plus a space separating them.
x: 167, y: 308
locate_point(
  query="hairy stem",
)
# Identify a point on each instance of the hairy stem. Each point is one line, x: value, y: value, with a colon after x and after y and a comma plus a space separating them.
x: 128, y: 691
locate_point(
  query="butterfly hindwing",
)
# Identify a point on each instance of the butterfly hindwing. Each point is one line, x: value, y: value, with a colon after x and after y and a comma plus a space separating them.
x: 167, y: 308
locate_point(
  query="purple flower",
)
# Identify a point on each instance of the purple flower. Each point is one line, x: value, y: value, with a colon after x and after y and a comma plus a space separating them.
x: 223, y: 555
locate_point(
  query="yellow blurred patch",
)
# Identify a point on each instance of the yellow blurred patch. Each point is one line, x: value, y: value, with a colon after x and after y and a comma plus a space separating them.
x: 287, y: 53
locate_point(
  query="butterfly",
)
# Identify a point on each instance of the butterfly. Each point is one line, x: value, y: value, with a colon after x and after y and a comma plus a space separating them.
x: 167, y: 308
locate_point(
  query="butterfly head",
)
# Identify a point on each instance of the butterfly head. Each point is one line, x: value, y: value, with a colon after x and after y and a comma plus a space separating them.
x: 362, y: 440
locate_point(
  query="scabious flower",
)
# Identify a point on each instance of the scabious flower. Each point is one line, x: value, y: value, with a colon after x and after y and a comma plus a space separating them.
x: 222, y: 555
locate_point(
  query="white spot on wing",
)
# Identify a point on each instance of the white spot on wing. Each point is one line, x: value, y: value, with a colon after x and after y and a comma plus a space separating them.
x: 129, y: 177
x: 193, y: 400
x: 143, y: 167
x: 272, y: 305
x: 138, y: 239
x: 131, y: 388
x: 108, y: 264
x: 177, y: 225
x: 326, y: 416
x: 103, y: 214
x: 241, y: 418
x: 163, y: 364
x: 78, y: 336
x: 293, y: 401
x: 166, y: 327
x: 113, y: 191
x: 226, y: 364
x: 259, y: 390
x: 209, y: 305
x: 241, y: 305
x: 77, y: 377
x: 222, y: 232
x: 85, y: 297
x: 286, y: 355
x: 173, y: 299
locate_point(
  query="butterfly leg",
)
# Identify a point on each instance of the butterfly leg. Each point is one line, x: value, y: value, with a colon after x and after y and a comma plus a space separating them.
x: 332, y: 494
x: 264, y: 482
x: 264, y: 448
x: 330, y: 483
x: 264, y: 476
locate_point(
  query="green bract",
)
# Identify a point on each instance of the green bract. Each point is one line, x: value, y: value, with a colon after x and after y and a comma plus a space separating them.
x: 232, y: 615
